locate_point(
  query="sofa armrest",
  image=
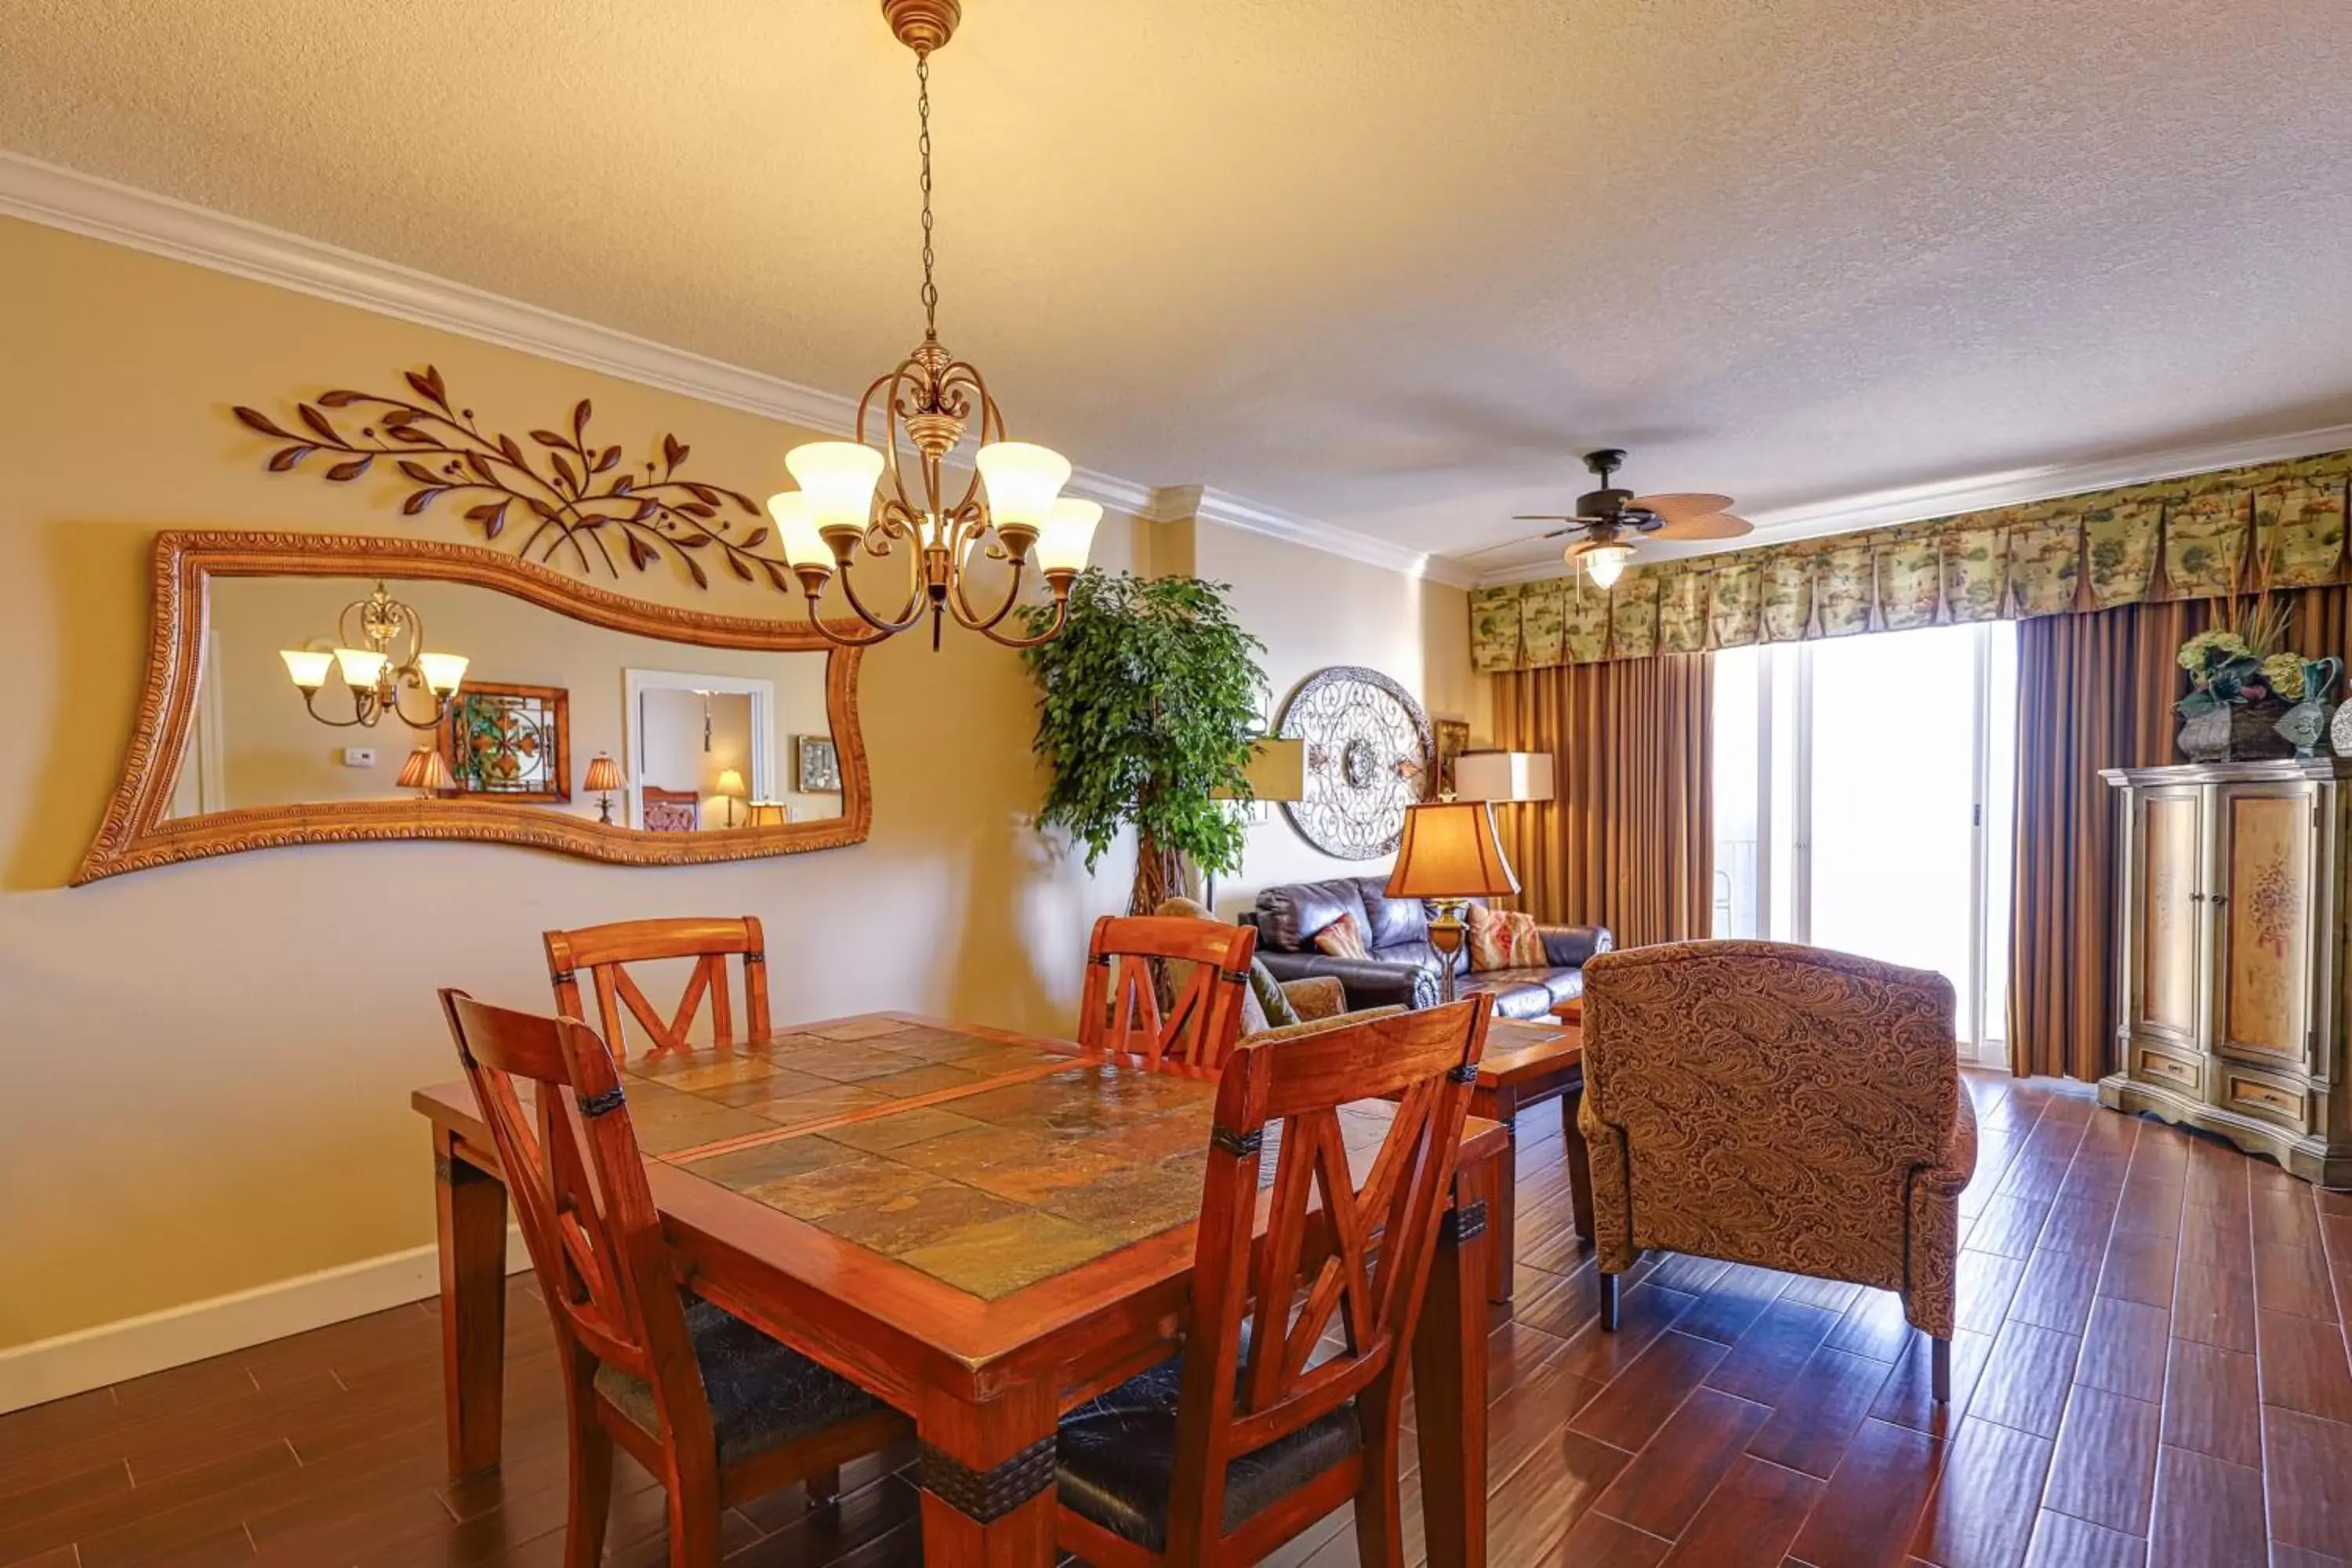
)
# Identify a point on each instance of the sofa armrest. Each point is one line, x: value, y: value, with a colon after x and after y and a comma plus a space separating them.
x: 1317, y: 996
x: 1368, y: 982
x: 1931, y: 1260
x: 1567, y: 947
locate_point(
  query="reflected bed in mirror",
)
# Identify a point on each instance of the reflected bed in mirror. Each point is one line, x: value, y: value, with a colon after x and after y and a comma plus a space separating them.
x: 306, y: 689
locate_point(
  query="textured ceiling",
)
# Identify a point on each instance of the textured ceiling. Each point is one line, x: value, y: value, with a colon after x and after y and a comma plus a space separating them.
x: 1390, y: 264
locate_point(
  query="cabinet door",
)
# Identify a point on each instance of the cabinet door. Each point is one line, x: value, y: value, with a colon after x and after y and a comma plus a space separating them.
x: 2165, y: 941
x: 2264, y: 895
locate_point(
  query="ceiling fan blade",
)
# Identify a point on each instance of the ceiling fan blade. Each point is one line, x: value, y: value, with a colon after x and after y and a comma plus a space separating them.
x: 1673, y: 506
x: 1545, y: 517
x: 1715, y: 525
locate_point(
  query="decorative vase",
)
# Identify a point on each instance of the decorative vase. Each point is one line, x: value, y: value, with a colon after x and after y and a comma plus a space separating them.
x: 2236, y: 733
x: 2306, y: 724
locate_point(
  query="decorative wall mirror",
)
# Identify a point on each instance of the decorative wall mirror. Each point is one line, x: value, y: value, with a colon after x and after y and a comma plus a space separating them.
x: 306, y: 689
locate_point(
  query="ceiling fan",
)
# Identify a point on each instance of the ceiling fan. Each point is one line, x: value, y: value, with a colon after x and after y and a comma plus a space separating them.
x: 1609, y: 518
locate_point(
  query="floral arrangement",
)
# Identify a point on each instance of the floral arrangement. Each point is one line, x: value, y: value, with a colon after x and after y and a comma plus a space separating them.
x: 2225, y: 668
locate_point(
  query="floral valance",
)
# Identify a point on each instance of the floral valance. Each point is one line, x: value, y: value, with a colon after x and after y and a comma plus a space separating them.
x: 2174, y: 539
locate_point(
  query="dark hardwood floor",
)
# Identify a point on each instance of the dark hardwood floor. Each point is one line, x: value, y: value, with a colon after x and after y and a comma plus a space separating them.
x: 2151, y: 1369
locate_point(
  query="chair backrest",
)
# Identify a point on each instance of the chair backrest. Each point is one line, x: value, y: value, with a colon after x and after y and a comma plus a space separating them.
x: 1337, y: 1250
x: 1207, y: 965
x: 669, y: 810
x: 606, y: 950
x: 578, y: 1182
x: 1762, y: 1086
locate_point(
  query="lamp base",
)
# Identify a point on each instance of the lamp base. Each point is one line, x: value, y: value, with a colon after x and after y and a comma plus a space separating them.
x: 1447, y: 934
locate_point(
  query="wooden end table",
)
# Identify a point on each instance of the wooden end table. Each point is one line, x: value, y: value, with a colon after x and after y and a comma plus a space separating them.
x: 1526, y: 1064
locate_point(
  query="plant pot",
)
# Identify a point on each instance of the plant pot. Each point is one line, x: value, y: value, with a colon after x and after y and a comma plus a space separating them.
x: 2236, y: 733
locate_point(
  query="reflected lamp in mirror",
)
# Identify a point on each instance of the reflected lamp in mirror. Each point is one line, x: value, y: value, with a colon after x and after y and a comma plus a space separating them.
x: 1450, y: 855
x: 1503, y: 776
x: 603, y: 778
x: 765, y: 814
x: 730, y: 790
x: 426, y: 773
x: 384, y: 659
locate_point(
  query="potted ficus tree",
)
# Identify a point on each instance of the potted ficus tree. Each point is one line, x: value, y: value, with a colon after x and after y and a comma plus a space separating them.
x: 1147, y: 703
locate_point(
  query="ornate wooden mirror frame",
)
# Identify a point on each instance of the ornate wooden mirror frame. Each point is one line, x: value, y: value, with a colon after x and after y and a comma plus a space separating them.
x: 137, y: 834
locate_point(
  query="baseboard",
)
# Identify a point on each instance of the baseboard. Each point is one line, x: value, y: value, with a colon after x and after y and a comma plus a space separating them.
x: 50, y: 1369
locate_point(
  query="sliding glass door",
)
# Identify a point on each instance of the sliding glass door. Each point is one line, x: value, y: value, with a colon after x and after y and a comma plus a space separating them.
x: 1863, y: 803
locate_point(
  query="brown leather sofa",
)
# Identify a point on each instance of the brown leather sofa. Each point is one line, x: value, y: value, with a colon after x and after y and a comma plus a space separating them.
x: 1404, y: 969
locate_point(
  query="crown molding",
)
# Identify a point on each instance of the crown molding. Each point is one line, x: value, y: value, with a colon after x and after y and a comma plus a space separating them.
x: 58, y: 197
x: 2014, y: 487
x: 1177, y: 503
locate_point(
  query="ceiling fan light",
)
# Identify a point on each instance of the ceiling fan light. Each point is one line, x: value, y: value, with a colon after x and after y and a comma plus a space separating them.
x: 1604, y: 563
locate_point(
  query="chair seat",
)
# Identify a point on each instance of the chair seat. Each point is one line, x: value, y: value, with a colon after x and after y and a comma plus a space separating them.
x: 762, y: 1393
x: 1118, y: 1457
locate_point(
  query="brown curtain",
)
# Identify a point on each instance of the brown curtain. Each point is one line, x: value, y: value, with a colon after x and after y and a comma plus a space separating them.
x: 1628, y: 840
x: 2095, y: 690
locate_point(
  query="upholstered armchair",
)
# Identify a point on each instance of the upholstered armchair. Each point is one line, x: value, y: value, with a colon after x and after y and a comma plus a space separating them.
x: 1782, y: 1106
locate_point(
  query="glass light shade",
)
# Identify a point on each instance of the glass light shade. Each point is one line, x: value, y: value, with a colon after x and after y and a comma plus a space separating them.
x: 1503, y: 775
x: 1450, y: 851
x: 1605, y: 562
x: 1023, y: 479
x: 1069, y: 535
x: 360, y: 668
x: 604, y: 775
x: 309, y: 669
x: 796, y: 529
x: 444, y: 672
x: 838, y: 477
x: 730, y: 782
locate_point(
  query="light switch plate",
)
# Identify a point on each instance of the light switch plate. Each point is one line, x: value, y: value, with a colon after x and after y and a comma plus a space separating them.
x: 359, y: 756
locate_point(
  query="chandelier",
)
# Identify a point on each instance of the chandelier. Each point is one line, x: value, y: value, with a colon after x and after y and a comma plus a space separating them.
x: 1010, y: 511
x: 384, y: 660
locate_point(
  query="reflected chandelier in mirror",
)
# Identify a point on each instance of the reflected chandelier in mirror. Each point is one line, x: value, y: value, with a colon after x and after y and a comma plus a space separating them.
x: 689, y: 717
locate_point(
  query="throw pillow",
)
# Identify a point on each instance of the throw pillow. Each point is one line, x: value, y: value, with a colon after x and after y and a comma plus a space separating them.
x: 1501, y: 939
x: 1271, y: 1000
x: 1343, y: 938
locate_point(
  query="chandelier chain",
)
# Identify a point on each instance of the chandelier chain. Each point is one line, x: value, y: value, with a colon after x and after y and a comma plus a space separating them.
x: 923, y: 144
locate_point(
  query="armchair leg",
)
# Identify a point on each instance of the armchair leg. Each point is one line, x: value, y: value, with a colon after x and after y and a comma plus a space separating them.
x: 1940, y: 1375
x: 1609, y: 1302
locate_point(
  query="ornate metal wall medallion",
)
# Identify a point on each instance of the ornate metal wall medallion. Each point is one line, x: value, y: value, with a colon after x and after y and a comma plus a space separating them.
x: 1370, y: 752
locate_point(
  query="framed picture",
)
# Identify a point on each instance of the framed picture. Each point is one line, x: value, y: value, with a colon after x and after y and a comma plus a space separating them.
x: 1453, y: 739
x: 513, y: 742
x: 816, y: 766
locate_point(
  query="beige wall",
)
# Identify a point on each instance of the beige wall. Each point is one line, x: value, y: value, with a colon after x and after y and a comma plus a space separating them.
x: 207, y: 1067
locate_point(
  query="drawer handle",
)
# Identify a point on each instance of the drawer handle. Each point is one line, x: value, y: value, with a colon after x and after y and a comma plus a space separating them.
x: 2221, y: 899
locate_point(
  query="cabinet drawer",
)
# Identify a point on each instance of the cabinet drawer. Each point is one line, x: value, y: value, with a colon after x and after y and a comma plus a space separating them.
x: 2287, y: 1103
x: 2150, y: 1065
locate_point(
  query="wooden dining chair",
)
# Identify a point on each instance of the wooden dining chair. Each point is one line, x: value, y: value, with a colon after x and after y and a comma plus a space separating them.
x: 718, y: 1411
x: 606, y: 951
x: 1206, y: 967
x: 1287, y: 1399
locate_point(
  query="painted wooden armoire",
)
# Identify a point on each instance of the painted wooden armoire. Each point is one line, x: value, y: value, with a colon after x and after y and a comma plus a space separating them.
x: 2233, y: 986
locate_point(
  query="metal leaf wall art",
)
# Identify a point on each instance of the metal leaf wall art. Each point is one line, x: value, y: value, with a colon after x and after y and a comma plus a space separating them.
x: 582, y: 502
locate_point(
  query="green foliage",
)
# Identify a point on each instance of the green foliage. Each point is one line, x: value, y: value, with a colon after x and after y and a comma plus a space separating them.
x: 1147, y: 701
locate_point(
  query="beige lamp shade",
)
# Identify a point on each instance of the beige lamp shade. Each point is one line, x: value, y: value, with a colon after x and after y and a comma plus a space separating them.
x: 603, y: 774
x: 1503, y: 775
x: 1450, y: 851
x: 1277, y: 770
x: 425, y: 770
x: 730, y: 782
x: 766, y: 813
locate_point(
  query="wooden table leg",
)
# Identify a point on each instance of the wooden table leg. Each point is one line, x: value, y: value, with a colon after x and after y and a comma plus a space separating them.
x: 470, y: 1219
x: 1449, y: 1381
x: 988, y: 1479
x: 1579, y: 1163
x: 1503, y: 1248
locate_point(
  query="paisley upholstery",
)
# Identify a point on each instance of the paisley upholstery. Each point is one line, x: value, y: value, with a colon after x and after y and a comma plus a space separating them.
x: 761, y: 1393
x: 1317, y: 996
x: 1777, y: 1105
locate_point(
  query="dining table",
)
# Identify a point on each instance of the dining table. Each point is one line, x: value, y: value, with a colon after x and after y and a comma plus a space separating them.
x: 982, y: 1228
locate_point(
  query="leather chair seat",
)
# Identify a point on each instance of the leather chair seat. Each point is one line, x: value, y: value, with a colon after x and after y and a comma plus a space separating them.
x: 761, y: 1393
x: 1118, y: 1457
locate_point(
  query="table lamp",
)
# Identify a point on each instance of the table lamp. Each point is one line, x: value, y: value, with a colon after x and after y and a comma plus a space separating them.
x: 766, y: 813
x: 603, y: 778
x: 1503, y: 776
x: 730, y: 785
x: 1450, y: 855
x: 426, y: 773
